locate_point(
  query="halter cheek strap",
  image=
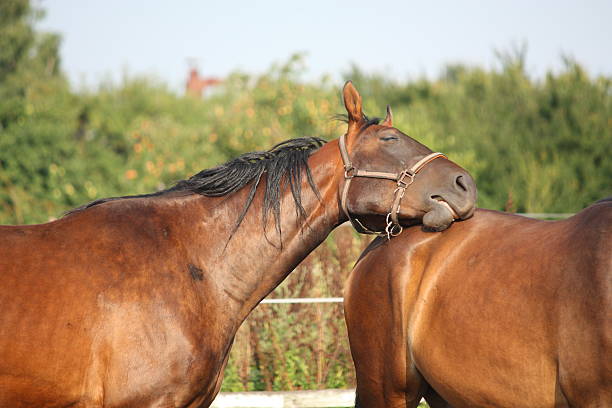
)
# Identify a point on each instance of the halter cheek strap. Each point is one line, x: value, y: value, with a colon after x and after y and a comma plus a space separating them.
x: 403, y: 179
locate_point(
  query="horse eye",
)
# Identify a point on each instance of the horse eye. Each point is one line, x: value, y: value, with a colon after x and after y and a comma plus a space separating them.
x: 388, y: 138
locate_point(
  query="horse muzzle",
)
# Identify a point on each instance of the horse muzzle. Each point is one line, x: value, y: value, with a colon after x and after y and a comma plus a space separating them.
x: 455, y: 203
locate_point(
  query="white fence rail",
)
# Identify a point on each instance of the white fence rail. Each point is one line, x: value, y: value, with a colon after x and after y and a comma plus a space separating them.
x: 285, y: 399
x: 305, y: 300
x: 556, y: 216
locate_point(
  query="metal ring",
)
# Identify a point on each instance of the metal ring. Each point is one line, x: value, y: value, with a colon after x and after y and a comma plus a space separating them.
x: 392, y: 229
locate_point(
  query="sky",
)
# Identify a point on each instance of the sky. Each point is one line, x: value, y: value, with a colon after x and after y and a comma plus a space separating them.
x: 402, y: 39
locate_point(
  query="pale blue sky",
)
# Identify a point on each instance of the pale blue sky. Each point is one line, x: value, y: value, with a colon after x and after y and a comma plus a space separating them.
x: 401, y: 38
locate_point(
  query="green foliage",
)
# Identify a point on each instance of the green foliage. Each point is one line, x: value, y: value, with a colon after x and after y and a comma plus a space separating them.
x: 532, y: 146
x: 36, y: 108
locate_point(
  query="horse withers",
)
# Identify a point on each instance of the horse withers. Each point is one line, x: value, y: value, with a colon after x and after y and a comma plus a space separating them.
x: 498, y: 311
x: 135, y: 301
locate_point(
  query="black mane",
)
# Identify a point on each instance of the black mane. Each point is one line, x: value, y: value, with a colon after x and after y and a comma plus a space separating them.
x: 283, y: 164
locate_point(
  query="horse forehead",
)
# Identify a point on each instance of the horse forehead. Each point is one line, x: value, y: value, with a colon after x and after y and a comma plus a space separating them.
x: 372, y: 130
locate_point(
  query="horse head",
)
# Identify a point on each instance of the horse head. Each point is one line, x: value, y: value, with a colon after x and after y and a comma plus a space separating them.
x: 388, y: 172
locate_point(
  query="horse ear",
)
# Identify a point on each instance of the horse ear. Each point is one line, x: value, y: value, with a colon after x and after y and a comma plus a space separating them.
x: 389, y: 118
x: 352, y: 102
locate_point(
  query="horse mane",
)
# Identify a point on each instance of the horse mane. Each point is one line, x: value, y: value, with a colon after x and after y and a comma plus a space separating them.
x: 283, y: 164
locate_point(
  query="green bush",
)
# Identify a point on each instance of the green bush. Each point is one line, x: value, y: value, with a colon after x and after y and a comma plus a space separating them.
x: 533, y: 146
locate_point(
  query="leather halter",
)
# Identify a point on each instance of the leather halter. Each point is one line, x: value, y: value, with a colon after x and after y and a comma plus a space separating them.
x: 403, y: 179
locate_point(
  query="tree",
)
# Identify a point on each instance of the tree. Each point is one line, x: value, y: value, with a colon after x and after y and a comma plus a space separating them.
x: 34, y: 104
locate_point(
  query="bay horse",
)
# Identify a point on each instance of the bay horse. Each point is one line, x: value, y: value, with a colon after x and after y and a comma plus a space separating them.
x: 497, y: 311
x: 135, y: 301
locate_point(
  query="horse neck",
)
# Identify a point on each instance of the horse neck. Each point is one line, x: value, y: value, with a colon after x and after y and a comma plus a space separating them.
x: 252, y: 263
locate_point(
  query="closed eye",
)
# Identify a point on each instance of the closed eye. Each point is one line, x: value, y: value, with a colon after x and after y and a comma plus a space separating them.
x: 388, y: 138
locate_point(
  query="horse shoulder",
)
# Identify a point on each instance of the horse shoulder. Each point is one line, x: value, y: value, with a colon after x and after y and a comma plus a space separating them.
x: 377, y: 311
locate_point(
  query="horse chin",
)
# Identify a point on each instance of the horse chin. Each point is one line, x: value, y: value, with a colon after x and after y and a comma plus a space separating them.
x: 438, y: 219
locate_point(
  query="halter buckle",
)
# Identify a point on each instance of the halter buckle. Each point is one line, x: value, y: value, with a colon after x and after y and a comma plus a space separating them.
x: 401, y: 183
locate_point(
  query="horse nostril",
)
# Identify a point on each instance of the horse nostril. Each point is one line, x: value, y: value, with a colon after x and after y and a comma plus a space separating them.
x: 461, y: 183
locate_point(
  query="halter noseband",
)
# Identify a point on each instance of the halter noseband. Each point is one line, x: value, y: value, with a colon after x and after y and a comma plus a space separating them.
x: 403, y: 179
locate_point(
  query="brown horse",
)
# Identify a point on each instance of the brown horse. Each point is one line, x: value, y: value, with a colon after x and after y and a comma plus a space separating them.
x: 497, y: 311
x: 135, y: 301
